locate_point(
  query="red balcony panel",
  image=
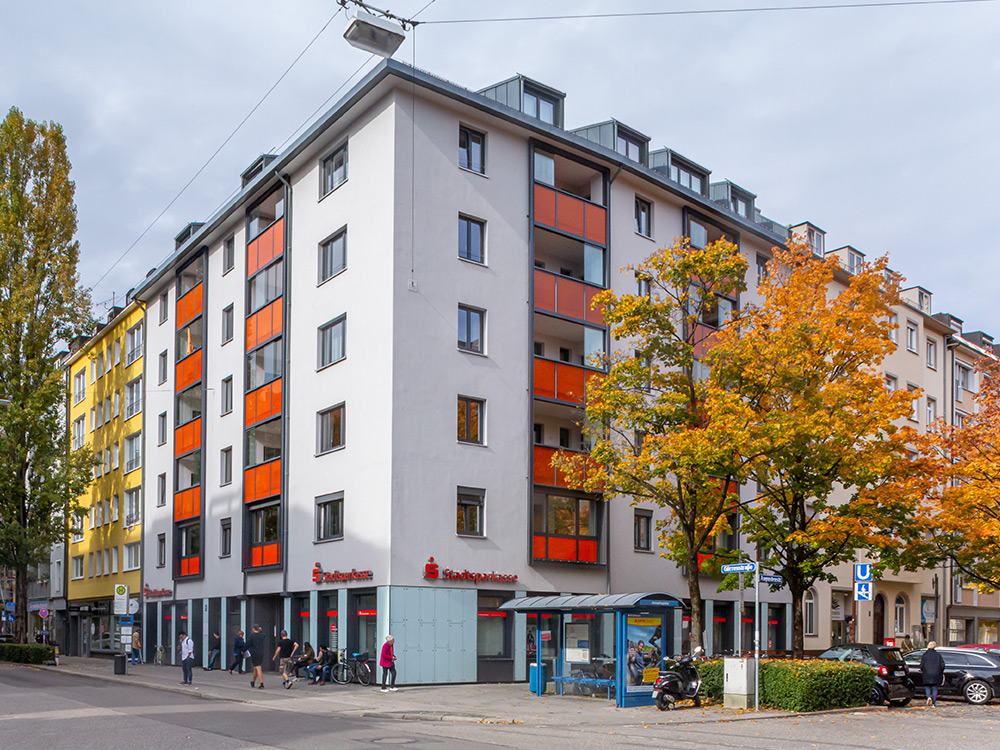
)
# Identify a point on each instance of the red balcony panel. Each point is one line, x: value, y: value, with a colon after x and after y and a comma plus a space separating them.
x: 570, y: 214
x: 593, y: 313
x: 270, y: 554
x: 188, y: 370
x: 184, y: 566
x: 587, y: 550
x: 538, y: 547
x: 570, y: 383
x: 562, y: 549
x: 545, y: 291
x: 597, y: 228
x: 194, y: 566
x: 543, y: 471
x: 545, y: 378
x: 187, y: 504
x: 190, y: 305
x: 257, y: 557
x: 545, y: 205
x: 570, y: 300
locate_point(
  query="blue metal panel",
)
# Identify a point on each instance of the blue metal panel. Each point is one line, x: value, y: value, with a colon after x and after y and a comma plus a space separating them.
x: 435, y: 631
x: 313, y: 617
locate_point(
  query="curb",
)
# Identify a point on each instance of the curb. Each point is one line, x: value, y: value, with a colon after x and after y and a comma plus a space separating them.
x: 439, y: 717
x: 758, y: 717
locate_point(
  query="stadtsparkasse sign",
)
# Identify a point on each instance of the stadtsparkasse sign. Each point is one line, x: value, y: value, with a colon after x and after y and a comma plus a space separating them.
x: 340, y: 576
x: 434, y: 572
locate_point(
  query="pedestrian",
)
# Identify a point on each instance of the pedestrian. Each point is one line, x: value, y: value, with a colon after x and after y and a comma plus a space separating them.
x: 286, y: 650
x: 187, y: 657
x: 255, y: 645
x: 137, y: 647
x: 932, y: 672
x: 214, y: 647
x: 387, y: 660
x: 239, y: 652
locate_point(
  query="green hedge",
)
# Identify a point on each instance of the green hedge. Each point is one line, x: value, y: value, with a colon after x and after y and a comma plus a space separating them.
x: 711, y: 679
x: 27, y: 653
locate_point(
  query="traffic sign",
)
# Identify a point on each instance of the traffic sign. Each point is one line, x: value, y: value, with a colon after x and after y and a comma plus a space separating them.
x: 43, y: 613
x: 765, y: 578
x: 9, y: 606
x: 862, y: 572
x: 121, y: 599
x: 862, y: 591
x: 747, y: 567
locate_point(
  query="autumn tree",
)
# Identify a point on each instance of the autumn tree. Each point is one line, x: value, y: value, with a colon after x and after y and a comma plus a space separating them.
x: 41, y: 308
x: 659, y: 432
x: 830, y: 462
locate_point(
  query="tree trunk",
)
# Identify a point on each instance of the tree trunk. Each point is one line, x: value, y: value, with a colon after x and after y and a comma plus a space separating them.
x: 694, y: 593
x: 21, y: 603
x: 797, y: 589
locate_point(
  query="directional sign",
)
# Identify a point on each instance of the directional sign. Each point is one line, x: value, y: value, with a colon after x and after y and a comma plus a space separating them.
x: 747, y: 567
x: 9, y: 606
x: 863, y: 591
x: 862, y: 572
x: 764, y: 578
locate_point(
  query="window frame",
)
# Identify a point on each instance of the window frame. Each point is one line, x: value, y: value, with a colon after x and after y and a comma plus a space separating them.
x: 466, y: 224
x: 468, y: 311
x: 133, y: 351
x: 136, y: 437
x: 327, y: 176
x: 164, y: 306
x: 226, y: 395
x: 226, y: 466
x: 161, y: 490
x: 809, y: 612
x: 228, y: 254
x: 480, y: 439
x: 912, y: 335
x: 132, y: 498
x: 330, y: 325
x: 931, y: 354
x: 475, y: 497
x: 643, y: 206
x: 335, y: 499
x: 163, y: 366
x: 228, y: 324
x: 320, y: 416
x: 226, y: 537
x: 136, y: 404
x: 161, y: 428
x: 340, y: 234
x: 161, y: 550
x: 646, y: 517
x: 469, y: 133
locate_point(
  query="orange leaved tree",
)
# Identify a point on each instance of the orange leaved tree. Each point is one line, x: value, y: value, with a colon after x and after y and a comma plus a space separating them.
x: 659, y: 431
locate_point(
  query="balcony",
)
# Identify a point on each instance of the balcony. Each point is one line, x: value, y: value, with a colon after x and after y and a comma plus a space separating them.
x: 563, y: 295
x: 542, y: 470
x: 266, y: 246
x: 190, y: 306
x: 562, y: 381
x: 570, y: 214
x: 263, y: 481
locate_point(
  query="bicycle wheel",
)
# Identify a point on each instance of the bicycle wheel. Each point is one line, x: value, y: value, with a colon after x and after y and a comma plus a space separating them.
x: 342, y: 673
x: 364, y: 673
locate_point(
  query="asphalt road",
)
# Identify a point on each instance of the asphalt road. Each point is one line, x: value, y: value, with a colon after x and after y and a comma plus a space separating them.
x: 41, y: 709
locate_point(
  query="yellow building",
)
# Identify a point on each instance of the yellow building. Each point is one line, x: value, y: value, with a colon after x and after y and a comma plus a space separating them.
x: 105, y: 379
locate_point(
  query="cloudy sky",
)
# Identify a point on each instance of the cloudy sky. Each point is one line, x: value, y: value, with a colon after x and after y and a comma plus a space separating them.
x: 877, y: 124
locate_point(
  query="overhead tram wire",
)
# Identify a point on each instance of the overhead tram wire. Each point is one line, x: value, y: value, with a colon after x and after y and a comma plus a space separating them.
x: 708, y: 11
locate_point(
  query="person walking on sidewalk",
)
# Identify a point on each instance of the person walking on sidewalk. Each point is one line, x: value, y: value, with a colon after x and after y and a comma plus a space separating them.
x: 137, y: 647
x: 286, y: 649
x: 255, y: 645
x: 932, y: 672
x: 214, y: 647
x: 187, y: 657
x: 387, y: 660
x: 239, y: 652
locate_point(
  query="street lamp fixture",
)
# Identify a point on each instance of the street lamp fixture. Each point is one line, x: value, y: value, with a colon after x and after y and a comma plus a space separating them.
x: 373, y: 34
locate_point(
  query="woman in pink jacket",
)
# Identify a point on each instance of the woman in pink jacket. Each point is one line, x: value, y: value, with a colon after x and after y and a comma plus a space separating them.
x: 388, y: 663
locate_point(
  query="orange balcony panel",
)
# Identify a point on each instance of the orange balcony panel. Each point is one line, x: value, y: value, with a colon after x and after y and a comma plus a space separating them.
x: 597, y: 229
x: 545, y: 291
x: 545, y: 378
x: 562, y: 549
x: 190, y: 305
x: 593, y: 313
x: 545, y: 205
x: 194, y: 566
x: 249, y: 409
x: 187, y: 504
x: 270, y: 554
x: 538, y: 547
x: 184, y: 566
x: 570, y: 214
x: 544, y: 473
x: 251, y: 332
x: 257, y: 557
x: 570, y: 383
x: 275, y: 471
x: 189, y: 370
x: 570, y: 300
x: 587, y: 550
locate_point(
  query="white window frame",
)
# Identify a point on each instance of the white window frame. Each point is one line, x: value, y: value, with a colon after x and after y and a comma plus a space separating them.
x: 912, y: 331
x: 133, y: 397
x: 132, y: 556
x: 809, y: 613
x: 133, y: 507
x: 932, y: 354
x: 133, y: 343
x: 133, y: 457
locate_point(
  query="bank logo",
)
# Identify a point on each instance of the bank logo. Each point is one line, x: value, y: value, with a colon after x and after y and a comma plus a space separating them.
x: 431, y: 569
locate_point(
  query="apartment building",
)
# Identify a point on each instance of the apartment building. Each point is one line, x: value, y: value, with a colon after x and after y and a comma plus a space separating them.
x: 106, y: 396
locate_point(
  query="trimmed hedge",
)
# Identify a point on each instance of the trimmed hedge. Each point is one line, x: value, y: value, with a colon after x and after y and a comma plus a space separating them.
x: 27, y: 653
x: 712, y: 674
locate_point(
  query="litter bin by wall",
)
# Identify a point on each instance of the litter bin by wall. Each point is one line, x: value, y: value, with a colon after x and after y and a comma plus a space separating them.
x: 120, y: 663
x: 538, y: 678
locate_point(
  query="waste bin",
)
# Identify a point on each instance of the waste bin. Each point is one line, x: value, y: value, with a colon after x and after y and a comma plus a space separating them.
x: 120, y: 663
x: 537, y: 678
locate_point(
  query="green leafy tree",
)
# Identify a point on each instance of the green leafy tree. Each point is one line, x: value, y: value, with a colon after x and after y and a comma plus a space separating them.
x: 41, y: 307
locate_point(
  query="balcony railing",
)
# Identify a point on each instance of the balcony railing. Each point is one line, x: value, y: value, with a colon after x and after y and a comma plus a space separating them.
x: 570, y: 214
x: 563, y: 295
x: 543, y: 470
x: 562, y: 381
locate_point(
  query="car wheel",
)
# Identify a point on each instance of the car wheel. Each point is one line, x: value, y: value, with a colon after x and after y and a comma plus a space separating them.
x: 875, y: 697
x: 900, y: 703
x: 977, y: 692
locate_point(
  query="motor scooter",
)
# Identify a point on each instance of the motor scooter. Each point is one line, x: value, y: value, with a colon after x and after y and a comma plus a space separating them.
x: 678, y: 680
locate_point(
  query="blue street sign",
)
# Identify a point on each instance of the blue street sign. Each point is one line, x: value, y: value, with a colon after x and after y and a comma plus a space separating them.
x: 9, y: 606
x: 862, y: 571
x: 747, y: 567
x: 125, y: 620
x: 863, y: 591
x: 771, y: 579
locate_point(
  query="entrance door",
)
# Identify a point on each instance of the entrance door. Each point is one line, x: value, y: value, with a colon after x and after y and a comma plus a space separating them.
x: 879, y: 618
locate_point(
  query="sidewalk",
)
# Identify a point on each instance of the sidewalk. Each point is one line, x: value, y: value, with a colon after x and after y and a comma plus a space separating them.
x: 494, y: 703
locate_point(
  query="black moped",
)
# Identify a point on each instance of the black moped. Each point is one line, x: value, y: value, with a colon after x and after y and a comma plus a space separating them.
x: 678, y: 680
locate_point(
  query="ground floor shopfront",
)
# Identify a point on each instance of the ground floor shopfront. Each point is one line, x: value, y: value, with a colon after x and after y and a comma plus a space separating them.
x: 93, y: 629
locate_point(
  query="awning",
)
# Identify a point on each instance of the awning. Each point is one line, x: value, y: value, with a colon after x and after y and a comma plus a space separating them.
x: 591, y: 602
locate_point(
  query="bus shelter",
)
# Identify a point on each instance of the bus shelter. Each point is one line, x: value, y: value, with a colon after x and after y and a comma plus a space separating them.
x: 593, y: 644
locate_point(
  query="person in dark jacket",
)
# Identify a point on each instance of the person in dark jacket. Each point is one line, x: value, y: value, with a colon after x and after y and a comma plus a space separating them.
x: 932, y: 672
x: 239, y: 652
x: 214, y: 648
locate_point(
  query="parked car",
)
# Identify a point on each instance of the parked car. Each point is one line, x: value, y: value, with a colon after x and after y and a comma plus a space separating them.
x: 892, y: 679
x: 973, y: 675
x: 988, y: 648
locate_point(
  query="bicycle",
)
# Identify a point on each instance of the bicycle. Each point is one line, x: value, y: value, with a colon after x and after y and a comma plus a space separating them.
x: 351, y: 670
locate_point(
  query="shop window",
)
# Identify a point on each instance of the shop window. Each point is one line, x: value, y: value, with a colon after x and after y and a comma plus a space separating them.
x: 493, y: 632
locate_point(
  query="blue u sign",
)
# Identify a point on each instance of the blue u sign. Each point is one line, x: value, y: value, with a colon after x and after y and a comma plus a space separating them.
x: 862, y: 572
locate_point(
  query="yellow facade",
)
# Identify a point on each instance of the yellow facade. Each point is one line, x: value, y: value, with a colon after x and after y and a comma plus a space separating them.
x: 105, y: 416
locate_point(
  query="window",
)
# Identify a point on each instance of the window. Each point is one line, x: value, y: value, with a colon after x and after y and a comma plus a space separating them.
x: 264, y: 364
x: 90, y: 564
x: 90, y: 516
x: 118, y: 351
x: 641, y: 526
x: 854, y: 261
x: 266, y: 286
x: 77, y: 570
x: 79, y: 432
x: 100, y: 556
x: 470, y: 511
x: 227, y: 325
x: 114, y: 455
x: 131, y: 556
x: 100, y: 365
x: 470, y: 419
x: 471, y: 239
x: 114, y: 560
x: 161, y: 490
x: 334, y: 170
x: 164, y: 307
x: 133, y: 398
x: 538, y: 431
x: 333, y: 256
x: 226, y: 471
x: 162, y: 368
x: 225, y: 537
x: 80, y: 385
x: 891, y: 383
x: 915, y: 403
x: 471, y: 324
x: 228, y: 255
x: 189, y: 339
x: 571, y: 520
x: 628, y: 147
x: 77, y: 528
x: 761, y: 268
x: 188, y: 406
x: 190, y: 539
x: 100, y: 414
x: 227, y: 395
x: 932, y: 354
x: 894, y: 332
x: 471, y: 150
x: 931, y: 410
x: 330, y: 517
x: 93, y: 371
x: 107, y: 410
x: 188, y: 469
x: 133, y: 452
x: 264, y: 525
x: 701, y: 232
x: 963, y: 380
x: 911, y: 336
x: 718, y: 312
x: 263, y: 443
x: 686, y: 177
x: 330, y: 429
x: 809, y: 612
x: 539, y: 348
x: 545, y: 169
x: 133, y: 344
x: 899, y: 620
x: 114, y: 508
x: 332, y: 342
x: 161, y: 550
x: 117, y: 403
x: 133, y: 507
x: 538, y: 105
x: 161, y: 429
x: 643, y: 217
x: 107, y: 460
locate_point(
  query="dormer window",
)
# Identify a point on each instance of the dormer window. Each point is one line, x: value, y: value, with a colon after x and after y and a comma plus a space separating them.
x: 628, y: 146
x: 924, y: 301
x: 681, y: 174
x: 816, y: 238
x: 536, y: 104
x: 740, y: 206
x: 854, y: 261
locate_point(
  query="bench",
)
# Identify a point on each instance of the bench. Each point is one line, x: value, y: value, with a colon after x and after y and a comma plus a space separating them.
x: 578, y: 679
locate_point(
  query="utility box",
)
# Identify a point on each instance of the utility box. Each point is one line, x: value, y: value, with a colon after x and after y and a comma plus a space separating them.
x: 738, y: 682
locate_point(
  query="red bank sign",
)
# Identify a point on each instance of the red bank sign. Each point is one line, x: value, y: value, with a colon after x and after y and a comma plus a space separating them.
x: 321, y: 576
x: 432, y: 571
x: 149, y: 593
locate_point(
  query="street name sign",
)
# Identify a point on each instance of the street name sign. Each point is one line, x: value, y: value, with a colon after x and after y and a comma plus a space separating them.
x: 747, y: 567
x: 765, y: 578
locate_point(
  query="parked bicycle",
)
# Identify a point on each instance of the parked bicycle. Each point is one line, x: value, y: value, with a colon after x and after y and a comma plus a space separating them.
x: 355, y: 669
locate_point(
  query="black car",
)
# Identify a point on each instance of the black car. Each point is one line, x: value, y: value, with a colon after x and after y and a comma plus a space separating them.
x: 892, y: 678
x: 973, y: 675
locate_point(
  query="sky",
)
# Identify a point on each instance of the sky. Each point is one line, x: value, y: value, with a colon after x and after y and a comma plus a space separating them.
x: 879, y: 125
